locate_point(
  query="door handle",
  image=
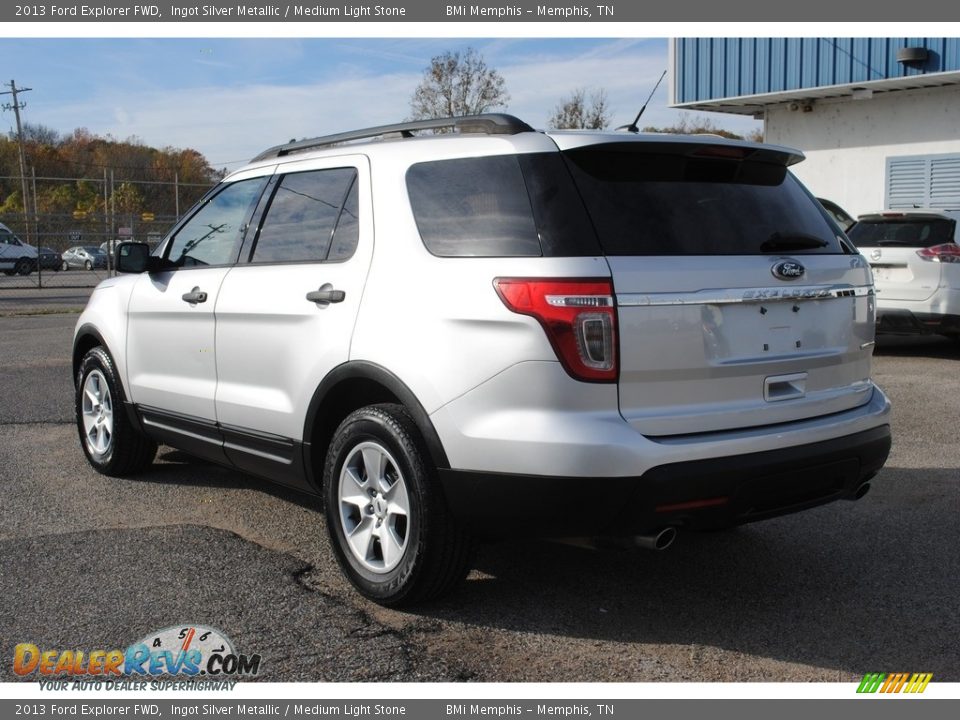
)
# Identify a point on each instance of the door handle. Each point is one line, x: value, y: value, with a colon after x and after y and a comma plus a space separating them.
x: 326, y: 295
x: 194, y: 296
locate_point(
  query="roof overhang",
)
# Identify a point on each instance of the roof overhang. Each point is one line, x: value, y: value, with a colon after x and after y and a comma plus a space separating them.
x: 755, y: 104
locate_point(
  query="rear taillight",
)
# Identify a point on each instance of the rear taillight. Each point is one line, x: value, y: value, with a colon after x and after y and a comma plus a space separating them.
x: 946, y: 253
x: 578, y: 316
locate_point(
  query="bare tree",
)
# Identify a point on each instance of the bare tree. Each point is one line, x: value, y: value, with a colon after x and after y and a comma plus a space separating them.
x: 458, y: 84
x: 575, y: 113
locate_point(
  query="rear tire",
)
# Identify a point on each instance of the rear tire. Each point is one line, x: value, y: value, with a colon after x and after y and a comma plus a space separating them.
x: 112, y: 444
x: 389, y: 525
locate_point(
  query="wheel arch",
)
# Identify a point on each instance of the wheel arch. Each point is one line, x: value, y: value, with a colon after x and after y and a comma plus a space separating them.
x: 87, y: 337
x: 348, y: 387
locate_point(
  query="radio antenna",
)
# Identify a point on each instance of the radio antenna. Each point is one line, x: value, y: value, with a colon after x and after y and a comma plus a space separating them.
x: 632, y: 127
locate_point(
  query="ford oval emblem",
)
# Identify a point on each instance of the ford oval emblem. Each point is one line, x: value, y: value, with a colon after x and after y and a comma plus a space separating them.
x: 788, y: 270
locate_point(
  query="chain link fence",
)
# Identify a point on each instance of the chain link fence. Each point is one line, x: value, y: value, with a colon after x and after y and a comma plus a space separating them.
x: 74, y: 250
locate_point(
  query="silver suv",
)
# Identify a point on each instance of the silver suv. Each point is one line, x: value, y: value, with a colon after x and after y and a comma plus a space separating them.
x: 495, y: 331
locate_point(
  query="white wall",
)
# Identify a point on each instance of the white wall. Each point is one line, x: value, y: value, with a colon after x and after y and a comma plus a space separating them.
x: 848, y: 141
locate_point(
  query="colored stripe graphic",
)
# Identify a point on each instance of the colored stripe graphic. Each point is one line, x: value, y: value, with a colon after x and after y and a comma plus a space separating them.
x: 871, y: 682
x: 918, y: 683
x: 894, y: 682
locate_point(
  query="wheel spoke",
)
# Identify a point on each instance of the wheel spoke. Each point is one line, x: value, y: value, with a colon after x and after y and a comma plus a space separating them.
x: 90, y: 397
x: 361, y: 538
x: 373, y: 463
x: 351, y: 473
x: 397, y: 499
x: 89, y: 422
x: 390, y: 545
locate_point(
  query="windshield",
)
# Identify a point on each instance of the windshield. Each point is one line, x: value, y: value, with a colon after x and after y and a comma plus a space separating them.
x: 650, y: 203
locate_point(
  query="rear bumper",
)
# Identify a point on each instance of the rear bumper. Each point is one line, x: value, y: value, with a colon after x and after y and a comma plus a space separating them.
x: 701, y: 493
x: 938, y: 314
x: 906, y: 322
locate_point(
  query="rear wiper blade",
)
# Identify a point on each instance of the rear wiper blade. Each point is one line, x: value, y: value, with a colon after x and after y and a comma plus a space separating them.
x: 793, y: 241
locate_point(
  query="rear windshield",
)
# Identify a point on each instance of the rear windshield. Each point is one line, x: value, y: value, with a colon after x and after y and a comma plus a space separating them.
x: 647, y: 203
x: 900, y: 232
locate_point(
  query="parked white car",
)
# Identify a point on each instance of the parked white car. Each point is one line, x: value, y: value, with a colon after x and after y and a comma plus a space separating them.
x: 915, y: 257
x: 495, y: 331
x: 16, y: 257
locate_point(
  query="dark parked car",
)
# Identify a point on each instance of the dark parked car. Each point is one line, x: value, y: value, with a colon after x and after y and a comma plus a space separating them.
x: 50, y: 259
x: 84, y: 256
x: 841, y: 216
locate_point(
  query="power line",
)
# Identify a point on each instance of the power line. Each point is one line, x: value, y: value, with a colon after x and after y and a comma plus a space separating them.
x: 16, y: 106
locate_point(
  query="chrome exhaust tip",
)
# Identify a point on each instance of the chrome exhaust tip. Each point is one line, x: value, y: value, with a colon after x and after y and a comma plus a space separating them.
x: 660, y: 540
x: 861, y: 491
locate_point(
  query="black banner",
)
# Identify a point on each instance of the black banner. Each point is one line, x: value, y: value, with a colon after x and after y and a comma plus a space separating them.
x: 597, y: 709
x: 557, y: 11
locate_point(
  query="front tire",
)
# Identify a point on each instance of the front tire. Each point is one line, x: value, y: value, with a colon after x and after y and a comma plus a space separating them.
x: 23, y: 267
x: 88, y: 265
x: 389, y: 525
x: 109, y: 440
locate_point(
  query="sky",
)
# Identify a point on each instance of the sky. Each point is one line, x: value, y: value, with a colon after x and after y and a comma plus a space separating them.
x: 231, y: 98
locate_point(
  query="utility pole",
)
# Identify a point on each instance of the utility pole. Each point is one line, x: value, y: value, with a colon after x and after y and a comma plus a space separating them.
x: 16, y: 106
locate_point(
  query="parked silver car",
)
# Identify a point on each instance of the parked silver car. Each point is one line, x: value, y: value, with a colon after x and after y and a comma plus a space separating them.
x: 88, y: 257
x: 563, y: 333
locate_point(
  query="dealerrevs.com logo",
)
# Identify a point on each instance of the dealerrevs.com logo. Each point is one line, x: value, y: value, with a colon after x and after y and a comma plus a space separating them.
x: 188, y: 650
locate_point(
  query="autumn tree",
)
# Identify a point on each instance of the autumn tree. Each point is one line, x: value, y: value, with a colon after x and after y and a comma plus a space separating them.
x: 456, y: 84
x: 72, y: 169
x: 577, y: 112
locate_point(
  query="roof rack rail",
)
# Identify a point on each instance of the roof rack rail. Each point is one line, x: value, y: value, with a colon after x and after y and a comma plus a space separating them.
x: 488, y: 124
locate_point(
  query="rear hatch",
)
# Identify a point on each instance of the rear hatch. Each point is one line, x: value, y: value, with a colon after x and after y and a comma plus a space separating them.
x: 890, y: 242
x: 738, y: 303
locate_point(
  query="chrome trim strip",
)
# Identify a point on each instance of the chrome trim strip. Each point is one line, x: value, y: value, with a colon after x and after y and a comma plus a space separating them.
x: 737, y: 296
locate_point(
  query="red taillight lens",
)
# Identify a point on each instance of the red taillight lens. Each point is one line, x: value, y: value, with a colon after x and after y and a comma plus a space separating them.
x: 946, y: 253
x: 579, y: 317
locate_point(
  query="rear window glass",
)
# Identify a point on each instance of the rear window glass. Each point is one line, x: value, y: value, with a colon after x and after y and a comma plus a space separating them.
x: 902, y: 233
x: 649, y: 203
x: 473, y: 207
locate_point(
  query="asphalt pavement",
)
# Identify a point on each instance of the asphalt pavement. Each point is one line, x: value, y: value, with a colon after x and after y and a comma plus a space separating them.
x: 93, y: 562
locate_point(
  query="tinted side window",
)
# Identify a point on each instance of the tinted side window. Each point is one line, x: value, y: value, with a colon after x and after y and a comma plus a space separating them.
x: 473, y: 207
x: 212, y: 236
x: 303, y: 217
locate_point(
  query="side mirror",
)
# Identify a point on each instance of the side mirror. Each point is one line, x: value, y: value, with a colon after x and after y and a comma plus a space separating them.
x: 132, y: 257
